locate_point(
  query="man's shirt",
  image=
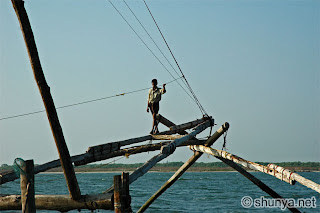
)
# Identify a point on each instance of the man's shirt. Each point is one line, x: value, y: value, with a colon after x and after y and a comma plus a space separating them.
x: 155, y: 95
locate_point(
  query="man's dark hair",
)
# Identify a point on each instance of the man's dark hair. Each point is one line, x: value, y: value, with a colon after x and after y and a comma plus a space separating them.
x: 154, y: 81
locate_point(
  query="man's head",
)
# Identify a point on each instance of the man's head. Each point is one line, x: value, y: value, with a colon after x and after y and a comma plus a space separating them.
x: 154, y: 83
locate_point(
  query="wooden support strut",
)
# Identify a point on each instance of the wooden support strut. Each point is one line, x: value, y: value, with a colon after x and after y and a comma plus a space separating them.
x: 184, y: 167
x: 27, y: 187
x: 44, y: 89
x: 271, y: 169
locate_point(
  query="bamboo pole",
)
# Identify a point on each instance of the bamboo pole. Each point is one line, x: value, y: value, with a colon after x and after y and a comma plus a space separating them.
x: 184, y: 167
x: 86, y: 158
x: 27, y: 187
x: 165, y: 152
x: 295, y: 177
x: 62, y: 203
x: 44, y: 89
x: 272, y: 169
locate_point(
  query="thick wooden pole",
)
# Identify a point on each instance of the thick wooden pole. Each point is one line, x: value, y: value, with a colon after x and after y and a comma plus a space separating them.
x: 126, y: 198
x: 184, y: 167
x: 44, y: 89
x: 121, y: 195
x: 117, y: 194
x: 27, y: 187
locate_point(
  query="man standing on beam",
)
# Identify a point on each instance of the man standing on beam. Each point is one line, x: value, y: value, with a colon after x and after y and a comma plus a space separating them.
x: 154, y: 98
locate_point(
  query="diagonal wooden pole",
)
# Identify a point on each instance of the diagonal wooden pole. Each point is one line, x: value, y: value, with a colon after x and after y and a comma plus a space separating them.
x: 255, y: 180
x: 184, y: 167
x: 44, y: 89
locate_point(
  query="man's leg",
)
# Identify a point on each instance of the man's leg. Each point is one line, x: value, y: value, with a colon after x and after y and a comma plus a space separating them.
x: 154, y: 115
x: 156, y: 111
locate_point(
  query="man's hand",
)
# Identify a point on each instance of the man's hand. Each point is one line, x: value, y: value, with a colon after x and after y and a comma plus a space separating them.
x: 164, y: 85
x: 148, y: 109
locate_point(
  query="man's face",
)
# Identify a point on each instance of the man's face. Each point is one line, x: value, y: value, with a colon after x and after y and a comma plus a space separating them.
x: 154, y: 85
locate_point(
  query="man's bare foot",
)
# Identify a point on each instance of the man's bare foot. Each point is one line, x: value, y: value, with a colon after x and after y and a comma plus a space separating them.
x: 156, y: 132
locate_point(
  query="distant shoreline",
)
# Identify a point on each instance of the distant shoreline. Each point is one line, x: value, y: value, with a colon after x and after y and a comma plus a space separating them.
x: 117, y: 171
x: 172, y: 167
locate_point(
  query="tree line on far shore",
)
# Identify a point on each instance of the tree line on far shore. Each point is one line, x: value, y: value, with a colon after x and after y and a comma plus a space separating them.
x: 313, y: 165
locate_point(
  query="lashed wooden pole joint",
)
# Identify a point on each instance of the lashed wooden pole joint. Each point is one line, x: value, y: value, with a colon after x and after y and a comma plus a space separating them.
x: 184, y: 167
x: 44, y: 89
x: 27, y: 187
x: 154, y: 160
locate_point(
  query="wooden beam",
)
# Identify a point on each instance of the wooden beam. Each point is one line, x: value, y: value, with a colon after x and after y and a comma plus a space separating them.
x: 27, y: 187
x: 113, y: 146
x: 62, y: 203
x: 44, y: 89
x: 184, y: 167
x: 86, y: 158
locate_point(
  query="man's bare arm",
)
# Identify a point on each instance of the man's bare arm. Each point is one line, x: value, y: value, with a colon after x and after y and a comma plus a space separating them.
x: 164, y: 89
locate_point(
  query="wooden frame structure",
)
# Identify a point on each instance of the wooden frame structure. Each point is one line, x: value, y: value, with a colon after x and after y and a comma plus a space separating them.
x: 117, y: 196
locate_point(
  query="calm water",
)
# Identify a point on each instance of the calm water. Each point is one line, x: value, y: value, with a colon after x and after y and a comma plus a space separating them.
x: 194, y: 192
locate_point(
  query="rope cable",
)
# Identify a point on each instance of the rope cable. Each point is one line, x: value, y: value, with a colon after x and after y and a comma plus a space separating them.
x: 152, y: 39
x: 148, y: 47
x: 191, y: 90
x: 83, y: 102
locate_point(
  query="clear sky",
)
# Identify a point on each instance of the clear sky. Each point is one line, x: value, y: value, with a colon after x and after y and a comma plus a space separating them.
x: 252, y: 63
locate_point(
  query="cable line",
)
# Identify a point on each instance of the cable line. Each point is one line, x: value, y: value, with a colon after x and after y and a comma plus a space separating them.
x: 148, y: 47
x: 153, y: 40
x: 191, y: 90
x: 83, y: 102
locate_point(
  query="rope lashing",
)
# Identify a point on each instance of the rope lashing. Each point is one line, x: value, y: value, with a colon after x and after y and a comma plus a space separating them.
x: 168, y: 149
x: 224, y: 140
x: 186, y: 81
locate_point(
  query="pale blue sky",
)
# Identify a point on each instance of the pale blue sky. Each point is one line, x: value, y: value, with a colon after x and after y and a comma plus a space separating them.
x: 252, y: 63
